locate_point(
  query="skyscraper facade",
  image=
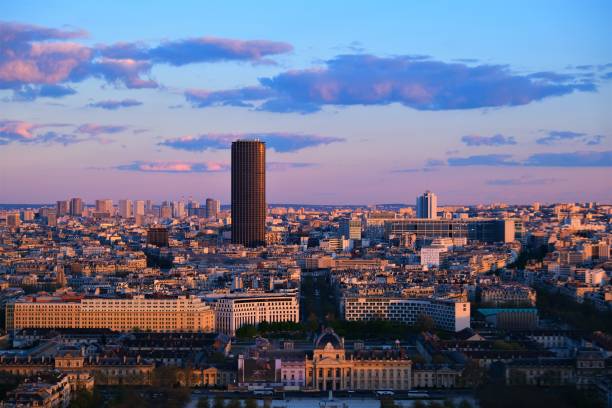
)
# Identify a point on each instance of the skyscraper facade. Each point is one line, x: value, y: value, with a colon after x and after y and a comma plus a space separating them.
x: 125, y: 208
x: 249, y: 192
x: 139, y: 207
x: 427, y: 205
x: 104, y: 206
x: 62, y: 208
x: 76, y: 207
x: 212, y: 207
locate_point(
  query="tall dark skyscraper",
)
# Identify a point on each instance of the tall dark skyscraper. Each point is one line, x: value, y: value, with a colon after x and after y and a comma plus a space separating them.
x: 249, y: 193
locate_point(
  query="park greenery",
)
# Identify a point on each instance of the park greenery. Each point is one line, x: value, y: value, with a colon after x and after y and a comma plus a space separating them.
x: 581, y: 316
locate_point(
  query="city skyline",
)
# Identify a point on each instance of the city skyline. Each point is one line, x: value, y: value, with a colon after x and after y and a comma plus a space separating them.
x: 478, y: 103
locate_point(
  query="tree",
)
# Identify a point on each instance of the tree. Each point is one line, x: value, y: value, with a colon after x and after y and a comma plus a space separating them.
x: 248, y: 331
x: 448, y: 403
x: 234, y: 403
x: 464, y: 404
x: 419, y: 404
x: 219, y: 401
x: 387, y: 403
x: 250, y: 403
x: 203, y: 402
x: 86, y: 399
x: 313, y: 322
x: 473, y: 375
x: 425, y: 323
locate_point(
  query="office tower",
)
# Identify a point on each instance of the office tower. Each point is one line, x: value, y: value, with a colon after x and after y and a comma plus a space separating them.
x: 62, y: 208
x: 104, y: 206
x: 249, y: 192
x: 148, y: 205
x: 350, y: 229
x: 125, y: 208
x: 178, y: 209
x: 427, y: 205
x: 76, y: 207
x: 158, y: 236
x: 139, y: 207
x: 213, y: 207
x: 192, y: 204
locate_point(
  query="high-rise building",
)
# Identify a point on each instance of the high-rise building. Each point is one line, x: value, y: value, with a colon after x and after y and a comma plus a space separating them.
x: 125, y: 208
x: 62, y: 208
x: 139, y: 207
x: 427, y: 205
x: 76, y: 207
x: 104, y: 206
x: 350, y: 228
x: 178, y: 209
x: 249, y: 193
x: 213, y: 207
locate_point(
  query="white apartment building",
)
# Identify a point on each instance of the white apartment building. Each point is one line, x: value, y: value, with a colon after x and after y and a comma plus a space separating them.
x: 235, y: 310
x: 430, y: 255
x: 447, y: 314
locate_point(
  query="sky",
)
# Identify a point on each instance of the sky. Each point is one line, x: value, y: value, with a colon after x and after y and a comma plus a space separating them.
x: 358, y: 102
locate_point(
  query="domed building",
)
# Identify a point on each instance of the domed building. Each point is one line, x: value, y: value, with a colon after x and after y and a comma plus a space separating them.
x: 332, y: 367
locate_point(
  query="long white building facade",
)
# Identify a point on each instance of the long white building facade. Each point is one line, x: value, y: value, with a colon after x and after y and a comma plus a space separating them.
x: 235, y: 310
x: 447, y: 314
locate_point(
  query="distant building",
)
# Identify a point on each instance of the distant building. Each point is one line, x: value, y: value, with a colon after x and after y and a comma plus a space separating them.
x: 104, y: 206
x: 427, y: 205
x: 478, y: 229
x: 139, y: 208
x: 350, y: 228
x: 13, y: 220
x: 430, y: 255
x: 511, y: 318
x: 213, y: 207
x: 76, y: 207
x: 62, y: 208
x: 125, y: 208
x: 508, y: 295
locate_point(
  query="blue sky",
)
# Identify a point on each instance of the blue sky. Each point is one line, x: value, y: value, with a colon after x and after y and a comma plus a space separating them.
x: 360, y: 102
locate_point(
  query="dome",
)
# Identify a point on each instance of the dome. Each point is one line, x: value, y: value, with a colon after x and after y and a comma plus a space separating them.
x: 328, y: 336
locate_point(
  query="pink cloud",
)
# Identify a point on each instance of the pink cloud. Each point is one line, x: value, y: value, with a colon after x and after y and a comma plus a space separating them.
x: 174, y: 167
x: 95, y: 130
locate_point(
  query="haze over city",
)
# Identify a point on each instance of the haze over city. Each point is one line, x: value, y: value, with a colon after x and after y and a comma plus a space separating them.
x: 358, y: 102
